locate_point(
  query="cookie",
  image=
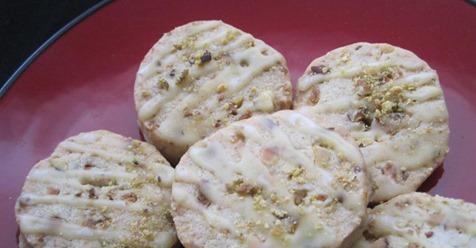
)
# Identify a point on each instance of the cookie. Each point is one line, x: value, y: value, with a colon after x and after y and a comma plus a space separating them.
x: 22, y: 243
x: 202, y: 76
x: 98, y: 189
x: 276, y: 180
x: 420, y: 220
x: 390, y: 101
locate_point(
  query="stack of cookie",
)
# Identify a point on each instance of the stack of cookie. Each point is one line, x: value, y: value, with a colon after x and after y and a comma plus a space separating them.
x: 369, y: 125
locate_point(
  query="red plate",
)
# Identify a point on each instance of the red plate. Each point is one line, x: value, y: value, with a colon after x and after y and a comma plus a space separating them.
x: 84, y: 81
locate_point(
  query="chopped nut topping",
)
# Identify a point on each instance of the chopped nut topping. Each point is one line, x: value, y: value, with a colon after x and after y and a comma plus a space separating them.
x: 172, y: 73
x: 320, y: 69
x: 409, y: 87
x: 206, y: 57
x: 321, y: 155
x: 203, y: 199
x: 314, y: 97
x: 325, y: 144
x: 297, y: 172
x: 88, y: 166
x: 58, y: 164
x: 299, y: 196
x: 90, y: 223
x: 226, y: 106
x: 246, y: 115
x: 162, y: 84
x: 181, y: 79
x: 346, y: 179
x: 434, y: 220
x: 188, y: 42
x: 244, y: 63
x: 264, y: 101
x: 277, y: 231
x: 345, y: 57
x: 237, y: 102
x: 217, y: 124
x: 259, y: 203
x: 238, y: 137
x: 52, y: 191
x: 380, y: 102
x: 178, y: 46
x: 149, y: 124
x: 361, y: 115
x: 221, y: 88
x: 242, y: 188
x: 139, y: 182
x: 269, y: 155
x: 320, y: 197
x: 187, y: 112
x: 278, y: 213
x: 290, y: 224
x: 111, y: 194
x: 92, y: 194
x: 230, y: 35
x: 56, y: 218
x: 146, y: 93
x: 130, y: 197
x: 394, y: 172
x: 99, y: 181
x: 253, y: 91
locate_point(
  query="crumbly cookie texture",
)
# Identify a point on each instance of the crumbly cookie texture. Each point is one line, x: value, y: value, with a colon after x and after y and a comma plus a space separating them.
x: 274, y: 180
x: 98, y: 189
x: 202, y: 76
x: 22, y: 243
x: 418, y: 220
x: 391, y: 103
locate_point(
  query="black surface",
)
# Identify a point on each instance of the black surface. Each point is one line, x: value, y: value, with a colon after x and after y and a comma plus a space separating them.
x: 26, y: 25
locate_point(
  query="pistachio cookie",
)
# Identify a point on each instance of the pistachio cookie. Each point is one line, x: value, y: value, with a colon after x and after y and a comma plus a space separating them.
x: 390, y: 101
x: 276, y: 180
x: 98, y: 189
x: 420, y: 220
x: 202, y: 76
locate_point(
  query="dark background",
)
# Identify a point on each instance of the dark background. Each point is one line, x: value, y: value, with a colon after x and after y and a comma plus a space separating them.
x: 25, y: 25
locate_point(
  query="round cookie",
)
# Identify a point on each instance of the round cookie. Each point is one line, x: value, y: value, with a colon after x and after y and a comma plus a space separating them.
x: 274, y: 180
x: 390, y: 101
x: 420, y: 220
x: 98, y: 189
x: 22, y: 243
x: 201, y: 76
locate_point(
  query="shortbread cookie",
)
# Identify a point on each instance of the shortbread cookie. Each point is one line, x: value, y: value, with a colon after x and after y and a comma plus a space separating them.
x: 201, y: 76
x: 418, y: 220
x: 98, y: 189
x: 22, y: 243
x: 274, y: 180
x: 391, y: 103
